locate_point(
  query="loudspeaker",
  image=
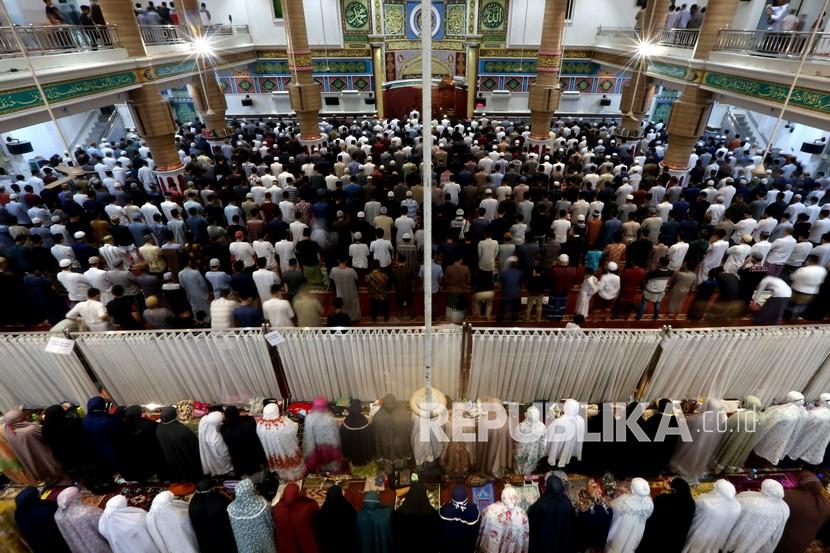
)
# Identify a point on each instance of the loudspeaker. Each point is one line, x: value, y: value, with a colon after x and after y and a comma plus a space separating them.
x: 605, y: 102
x: 370, y: 101
x: 247, y: 102
x: 809, y: 147
x: 18, y: 148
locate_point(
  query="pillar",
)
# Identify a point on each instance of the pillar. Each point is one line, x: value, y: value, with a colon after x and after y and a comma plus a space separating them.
x: 121, y: 14
x: 378, y: 72
x: 210, y: 101
x: 690, y: 112
x: 473, y: 45
x: 639, y: 91
x: 546, y: 90
x: 188, y: 11
x: 303, y: 92
x: 154, y: 123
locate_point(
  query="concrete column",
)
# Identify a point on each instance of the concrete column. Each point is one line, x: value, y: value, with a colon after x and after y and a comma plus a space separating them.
x: 121, y: 13
x: 691, y: 111
x: 188, y: 11
x: 719, y: 14
x: 378, y: 72
x: 211, y: 104
x: 473, y: 45
x: 154, y: 123
x: 686, y: 124
x: 303, y: 92
x: 638, y: 92
x: 545, y: 91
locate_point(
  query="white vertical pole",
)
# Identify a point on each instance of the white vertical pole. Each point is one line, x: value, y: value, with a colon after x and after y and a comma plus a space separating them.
x: 426, y: 176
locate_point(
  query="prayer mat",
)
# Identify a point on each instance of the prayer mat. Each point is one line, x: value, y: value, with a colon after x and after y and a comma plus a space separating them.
x: 137, y: 496
x: 10, y: 539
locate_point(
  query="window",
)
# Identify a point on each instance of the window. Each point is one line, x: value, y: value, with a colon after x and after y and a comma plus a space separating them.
x: 569, y: 10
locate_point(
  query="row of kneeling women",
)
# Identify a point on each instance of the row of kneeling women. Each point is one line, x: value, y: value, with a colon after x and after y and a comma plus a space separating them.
x: 765, y: 521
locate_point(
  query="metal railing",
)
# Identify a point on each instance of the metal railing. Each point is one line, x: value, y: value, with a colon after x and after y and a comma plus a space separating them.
x: 678, y: 38
x: 226, y: 30
x: 616, y: 31
x: 154, y: 35
x: 674, y: 38
x: 773, y: 44
x: 55, y: 39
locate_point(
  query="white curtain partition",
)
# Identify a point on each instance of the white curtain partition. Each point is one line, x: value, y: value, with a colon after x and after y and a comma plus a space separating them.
x: 551, y: 364
x: 31, y: 377
x: 368, y: 363
x: 734, y: 362
x: 168, y: 366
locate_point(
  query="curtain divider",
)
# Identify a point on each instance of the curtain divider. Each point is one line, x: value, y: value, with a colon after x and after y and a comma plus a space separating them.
x: 466, y: 360
x: 648, y: 373
x: 79, y: 353
x: 276, y: 364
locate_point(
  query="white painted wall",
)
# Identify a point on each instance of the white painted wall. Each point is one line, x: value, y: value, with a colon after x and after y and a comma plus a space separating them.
x: 583, y: 104
x: 748, y: 14
x: 267, y: 104
x: 45, y: 139
x: 322, y: 20
x: 526, y: 16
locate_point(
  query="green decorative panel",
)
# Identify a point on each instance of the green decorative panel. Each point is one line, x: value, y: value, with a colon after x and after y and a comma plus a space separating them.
x: 28, y: 98
x: 804, y: 98
x: 356, y: 20
x: 668, y: 70
x: 356, y: 15
x: 277, y: 6
x: 455, y: 18
x: 171, y: 69
x: 492, y: 20
x: 394, y: 19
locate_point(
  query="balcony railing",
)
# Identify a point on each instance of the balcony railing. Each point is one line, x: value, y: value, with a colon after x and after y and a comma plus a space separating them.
x: 56, y: 39
x: 226, y: 30
x: 155, y: 35
x: 786, y: 45
x: 617, y: 31
x: 678, y: 38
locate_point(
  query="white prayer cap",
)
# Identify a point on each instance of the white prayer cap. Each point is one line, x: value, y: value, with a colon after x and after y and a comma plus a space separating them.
x: 640, y: 487
x: 459, y: 212
x: 564, y: 259
x: 488, y: 191
x: 383, y: 210
x: 409, y: 193
x: 358, y: 236
x: 630, y: 197
x: 56, y: 218
x: 406, y: 236
x: 612, y: 266
x: 580, y: 218
x: 65, y: 263
x: 93, y: 260
x: 214, y: 262
x: 36, y: 221
x: 79, y: 235
x: 361, y: 215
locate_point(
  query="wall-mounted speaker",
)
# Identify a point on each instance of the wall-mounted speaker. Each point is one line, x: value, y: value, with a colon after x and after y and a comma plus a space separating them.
x: 247, y: 102
x: 605, y: 102
x: 18, y: 148
x: 813, y: 147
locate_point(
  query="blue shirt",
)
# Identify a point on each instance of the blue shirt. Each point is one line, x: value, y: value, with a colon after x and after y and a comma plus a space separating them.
x: 248, y: 315
x: 511, y: 280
